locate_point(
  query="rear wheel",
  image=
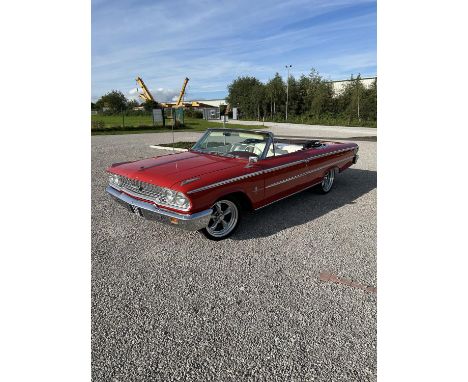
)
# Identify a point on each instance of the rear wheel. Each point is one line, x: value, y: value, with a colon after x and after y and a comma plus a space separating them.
x: 224, y: 220
x: 327, y: 182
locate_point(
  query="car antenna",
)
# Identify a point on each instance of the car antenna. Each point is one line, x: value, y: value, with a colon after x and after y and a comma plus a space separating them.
x: 173, y: 143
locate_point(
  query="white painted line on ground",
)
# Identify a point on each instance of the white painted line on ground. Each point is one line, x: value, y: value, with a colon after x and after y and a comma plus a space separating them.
x: 167, y: 148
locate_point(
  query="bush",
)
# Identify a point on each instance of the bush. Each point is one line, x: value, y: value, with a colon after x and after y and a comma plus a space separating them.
x: 97, y: 125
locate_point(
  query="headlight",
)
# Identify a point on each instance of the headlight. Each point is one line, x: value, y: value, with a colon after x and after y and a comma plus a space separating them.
x: 114, y: 180
x: 175, y: 199
x: 181, y: 200
x: 170, y: 195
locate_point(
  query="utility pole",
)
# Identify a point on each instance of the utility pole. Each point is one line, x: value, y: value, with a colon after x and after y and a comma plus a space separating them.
x: 287, y: 90
x: 359, y: 117
x: 358, y: 88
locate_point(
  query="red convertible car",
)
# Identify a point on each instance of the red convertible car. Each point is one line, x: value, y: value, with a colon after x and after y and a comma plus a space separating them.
x: 226, y: 172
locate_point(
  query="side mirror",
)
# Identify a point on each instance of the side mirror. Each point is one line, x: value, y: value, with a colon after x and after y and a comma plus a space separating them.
x: 252, y: 161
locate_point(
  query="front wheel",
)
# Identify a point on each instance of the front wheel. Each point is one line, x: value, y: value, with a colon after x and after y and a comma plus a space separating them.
x: 327, y: 182
x: 224, y: 220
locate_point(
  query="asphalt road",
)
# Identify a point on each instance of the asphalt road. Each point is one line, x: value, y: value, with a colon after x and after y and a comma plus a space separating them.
x: 281, y: 128
x: 172, y: 305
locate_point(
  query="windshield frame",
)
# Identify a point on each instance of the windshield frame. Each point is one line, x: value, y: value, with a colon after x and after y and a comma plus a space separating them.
x: 268, y: 134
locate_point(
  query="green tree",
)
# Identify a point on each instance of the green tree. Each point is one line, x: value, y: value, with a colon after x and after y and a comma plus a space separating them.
x: 115, y: 101
x: 318, y: 95
x: 297, y: 91
x: 150, y: 105
x: 368, y: 105
x: 246, y: 93
x: 132, y: 103
x: 258, y: 99
x: 310, y: 97
x: 353, y: 96
x: 276, y: 95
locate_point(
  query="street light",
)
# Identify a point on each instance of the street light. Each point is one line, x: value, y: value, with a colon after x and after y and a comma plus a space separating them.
x: 287, y: 90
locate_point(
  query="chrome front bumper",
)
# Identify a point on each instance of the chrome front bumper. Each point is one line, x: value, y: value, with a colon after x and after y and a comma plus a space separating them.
x: 149, y: 211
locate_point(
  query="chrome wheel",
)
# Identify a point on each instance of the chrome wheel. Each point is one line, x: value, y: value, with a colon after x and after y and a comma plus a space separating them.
x: 224, y: 219
x: 327, y: 181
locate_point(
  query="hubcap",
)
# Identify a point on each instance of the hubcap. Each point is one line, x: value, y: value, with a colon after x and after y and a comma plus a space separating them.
x: 223, y: 219
x: 327, y: 181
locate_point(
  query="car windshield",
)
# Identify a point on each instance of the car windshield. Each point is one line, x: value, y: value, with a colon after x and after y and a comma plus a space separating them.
x: 232, y: 143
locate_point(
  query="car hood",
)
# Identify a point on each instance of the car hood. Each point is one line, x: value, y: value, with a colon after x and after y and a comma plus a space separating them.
x: 172, y: 170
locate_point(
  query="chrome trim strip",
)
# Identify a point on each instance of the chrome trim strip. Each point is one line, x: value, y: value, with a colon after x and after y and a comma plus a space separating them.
x: 222, y: 183
x: 187, y: 181
x: 307, y: 172
x: 227, y: 181
x: 149, y: 211
x: 287, y: 196
x: 144, y: 196
x: 330, y: 153
x: 135, y: 194
x: 271, y: 169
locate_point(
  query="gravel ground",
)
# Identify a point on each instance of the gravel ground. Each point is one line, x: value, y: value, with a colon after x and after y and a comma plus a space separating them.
x: 172, y: 305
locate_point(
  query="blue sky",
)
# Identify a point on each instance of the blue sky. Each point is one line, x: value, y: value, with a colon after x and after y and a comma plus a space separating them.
x: 213, y: 42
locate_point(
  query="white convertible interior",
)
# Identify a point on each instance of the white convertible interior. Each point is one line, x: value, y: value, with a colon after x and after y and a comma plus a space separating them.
x: 279, y: 149
x: 243, y: 143
x: 288, y: 147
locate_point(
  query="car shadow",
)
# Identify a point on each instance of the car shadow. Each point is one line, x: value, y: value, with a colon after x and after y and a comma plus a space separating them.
x: 306, y: 206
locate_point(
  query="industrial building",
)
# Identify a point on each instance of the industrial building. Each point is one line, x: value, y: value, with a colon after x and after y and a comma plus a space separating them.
x: 339, y: 85
x: 200, y: 103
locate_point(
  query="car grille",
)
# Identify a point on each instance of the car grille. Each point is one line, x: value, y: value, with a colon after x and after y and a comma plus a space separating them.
x: 145, y: 190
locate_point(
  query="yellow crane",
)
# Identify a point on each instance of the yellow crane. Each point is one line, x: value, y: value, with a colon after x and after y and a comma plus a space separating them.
x: 147, y: 96
x: 179, y: 102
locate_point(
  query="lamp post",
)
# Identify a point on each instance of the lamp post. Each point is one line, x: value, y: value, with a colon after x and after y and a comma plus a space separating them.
x: 287, y: 90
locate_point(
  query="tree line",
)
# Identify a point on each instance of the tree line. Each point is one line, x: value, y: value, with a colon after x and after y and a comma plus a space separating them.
x: 311, y: 99
x: 115, y: 102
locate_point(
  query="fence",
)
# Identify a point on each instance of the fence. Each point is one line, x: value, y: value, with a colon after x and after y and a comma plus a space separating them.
x: 159, y: 118
x: 211, y: 113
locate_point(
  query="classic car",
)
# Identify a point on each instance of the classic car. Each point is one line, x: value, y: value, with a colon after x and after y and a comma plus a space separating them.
x: 225, y: 173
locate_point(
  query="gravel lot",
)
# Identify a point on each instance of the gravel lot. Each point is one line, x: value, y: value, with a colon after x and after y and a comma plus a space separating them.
x: 172, y: 305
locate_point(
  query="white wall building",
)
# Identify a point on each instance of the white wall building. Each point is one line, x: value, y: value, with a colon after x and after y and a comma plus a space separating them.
x: 211, y: 102
x: 339, y: 86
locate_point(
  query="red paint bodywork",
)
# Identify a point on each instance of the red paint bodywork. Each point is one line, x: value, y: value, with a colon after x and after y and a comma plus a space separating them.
x: 171, y: 170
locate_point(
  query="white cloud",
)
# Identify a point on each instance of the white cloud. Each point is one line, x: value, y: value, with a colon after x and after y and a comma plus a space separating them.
x: 219, y: 43
x: 160, y: 94
x: 164, y: 95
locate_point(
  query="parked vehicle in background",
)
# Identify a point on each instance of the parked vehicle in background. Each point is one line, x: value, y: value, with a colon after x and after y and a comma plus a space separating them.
x: 226, y: 172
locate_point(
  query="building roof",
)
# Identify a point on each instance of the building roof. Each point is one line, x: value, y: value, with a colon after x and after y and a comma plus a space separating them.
x: 354, y: 79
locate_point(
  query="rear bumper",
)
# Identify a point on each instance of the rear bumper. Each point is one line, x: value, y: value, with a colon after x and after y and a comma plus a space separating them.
x: 355, y: 159
x: 149, y: 211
